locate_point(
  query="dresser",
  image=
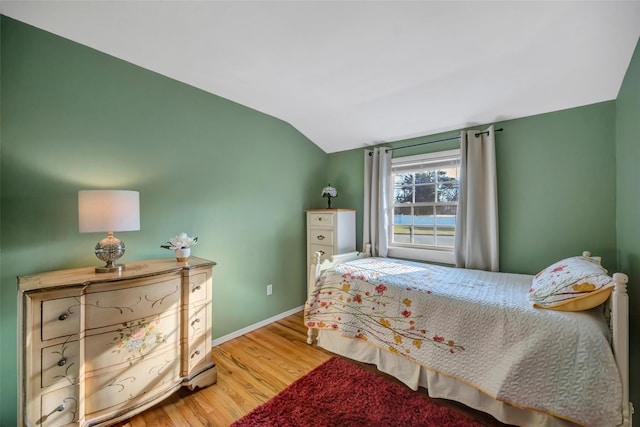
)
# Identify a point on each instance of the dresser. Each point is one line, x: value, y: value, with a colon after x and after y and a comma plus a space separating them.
x: 330, y: 231
x: 101, y: 347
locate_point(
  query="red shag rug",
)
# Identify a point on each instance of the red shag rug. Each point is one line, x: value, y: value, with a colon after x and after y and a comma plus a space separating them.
x: 340, y: 393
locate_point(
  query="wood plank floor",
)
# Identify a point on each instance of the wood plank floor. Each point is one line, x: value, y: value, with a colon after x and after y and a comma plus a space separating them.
x: 251, y: 370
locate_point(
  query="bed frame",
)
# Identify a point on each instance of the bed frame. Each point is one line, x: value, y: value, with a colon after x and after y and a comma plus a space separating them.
x: 616, y: 311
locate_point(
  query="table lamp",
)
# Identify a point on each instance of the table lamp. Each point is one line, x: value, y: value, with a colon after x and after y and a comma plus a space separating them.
x: 108, y: 211
x: 329, y: 192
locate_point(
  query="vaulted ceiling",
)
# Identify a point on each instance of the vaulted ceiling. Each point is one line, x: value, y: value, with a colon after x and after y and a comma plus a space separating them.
x: 353, y: 73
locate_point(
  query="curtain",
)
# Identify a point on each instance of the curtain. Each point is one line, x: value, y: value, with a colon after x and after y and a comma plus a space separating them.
x: 377, y: 183
x: 476, y: 241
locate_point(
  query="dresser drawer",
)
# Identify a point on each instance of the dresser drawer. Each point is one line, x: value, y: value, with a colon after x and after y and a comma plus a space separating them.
x: 198, y: 353
x: 198, y: 289
x: 133, y: 385
x: 59, y: 407
x: 326, y: 251
x: 198, y: 321
x: 60, y: 317
x: 60, y: 363
x: 320, y: 219
x: 131, y: 341
x: 321, y: 236
x: 123, y: 305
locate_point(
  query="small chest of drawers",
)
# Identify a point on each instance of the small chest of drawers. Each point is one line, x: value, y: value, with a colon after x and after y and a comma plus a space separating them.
x: 330, y: 232
x: 98, y: 348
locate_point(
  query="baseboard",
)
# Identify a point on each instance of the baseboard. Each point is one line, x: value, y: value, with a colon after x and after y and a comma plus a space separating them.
x: 255, y: 326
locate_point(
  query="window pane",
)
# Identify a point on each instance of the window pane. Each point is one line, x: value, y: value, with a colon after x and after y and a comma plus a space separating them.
x: 425, y: 177
x: 423, y: 236
x: 400, y: 179
x: 445, y: 236
x: 402, y: 215
x: 448, y: 174
x: 403, y: 194
x: 446, y: 215
x: 402, y: 234
x: 423, y: 215
x: 426, y: 193
x: 448, y: 191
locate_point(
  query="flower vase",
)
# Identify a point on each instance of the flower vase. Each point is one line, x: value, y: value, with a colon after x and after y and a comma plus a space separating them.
x: 182, y: 255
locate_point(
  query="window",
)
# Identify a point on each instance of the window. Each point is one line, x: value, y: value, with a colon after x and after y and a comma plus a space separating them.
x: 425, y: 202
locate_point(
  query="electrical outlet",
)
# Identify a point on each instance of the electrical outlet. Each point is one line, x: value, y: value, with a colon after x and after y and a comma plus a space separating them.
x: 269, y: 289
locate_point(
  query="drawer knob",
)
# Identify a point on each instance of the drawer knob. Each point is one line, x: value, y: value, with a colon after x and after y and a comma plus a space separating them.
x: 62, y: 361
x: 60, y: 407
x: 195, y: 353
x: 195, y: 321
x: 63, y: 316
x: 320, y: 237
x: 196, y: 288
x: 321, y: 252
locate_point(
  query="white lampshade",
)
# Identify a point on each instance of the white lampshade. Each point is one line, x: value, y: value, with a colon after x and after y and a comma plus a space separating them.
x: 329, y: 191
x: 108, y: 210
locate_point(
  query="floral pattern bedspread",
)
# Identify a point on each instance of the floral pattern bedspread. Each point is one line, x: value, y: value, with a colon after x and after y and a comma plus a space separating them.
x: 478, y: 327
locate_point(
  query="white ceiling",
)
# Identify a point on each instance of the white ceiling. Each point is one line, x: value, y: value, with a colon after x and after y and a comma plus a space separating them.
x: 353, y: 73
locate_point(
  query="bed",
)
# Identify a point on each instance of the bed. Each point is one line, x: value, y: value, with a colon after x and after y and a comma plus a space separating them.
x: 477, y: 338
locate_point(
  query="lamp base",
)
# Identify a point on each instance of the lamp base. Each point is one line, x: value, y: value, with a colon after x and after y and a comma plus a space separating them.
x: 109, y: 250
x: 115, y: 268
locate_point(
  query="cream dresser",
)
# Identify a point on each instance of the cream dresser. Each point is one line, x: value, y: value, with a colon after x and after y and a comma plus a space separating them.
x: 330, y: 231
x: 100, y: 347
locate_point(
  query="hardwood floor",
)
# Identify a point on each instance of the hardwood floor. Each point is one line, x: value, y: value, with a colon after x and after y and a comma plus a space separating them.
x: 251, y: 370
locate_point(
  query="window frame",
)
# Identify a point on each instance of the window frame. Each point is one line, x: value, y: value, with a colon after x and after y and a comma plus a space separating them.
x: 444, y: 255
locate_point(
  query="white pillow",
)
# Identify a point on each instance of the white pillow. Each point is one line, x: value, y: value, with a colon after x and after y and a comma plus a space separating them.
x: 573, y: 284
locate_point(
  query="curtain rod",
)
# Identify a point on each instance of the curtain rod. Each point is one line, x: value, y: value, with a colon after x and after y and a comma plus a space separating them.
x: 440, y: 140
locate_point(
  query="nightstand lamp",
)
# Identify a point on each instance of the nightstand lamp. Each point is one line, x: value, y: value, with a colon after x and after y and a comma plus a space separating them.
x: 108, y: 211
x: 329, y: 192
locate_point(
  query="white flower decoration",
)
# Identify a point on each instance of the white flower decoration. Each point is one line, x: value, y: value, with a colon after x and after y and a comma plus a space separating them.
x: 181, y: 241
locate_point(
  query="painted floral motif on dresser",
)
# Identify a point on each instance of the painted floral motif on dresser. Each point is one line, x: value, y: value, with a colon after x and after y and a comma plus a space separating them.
x: 137, y: 338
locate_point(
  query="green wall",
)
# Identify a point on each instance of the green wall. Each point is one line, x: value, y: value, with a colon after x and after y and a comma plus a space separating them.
x: 74, y: 118
x: 628, y: 203
x: 550, y: 169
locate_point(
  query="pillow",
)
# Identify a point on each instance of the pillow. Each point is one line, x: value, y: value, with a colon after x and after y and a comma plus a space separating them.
x: 573, y: 284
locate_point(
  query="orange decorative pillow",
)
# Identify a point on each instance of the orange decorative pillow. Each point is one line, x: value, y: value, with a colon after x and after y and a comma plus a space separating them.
x: 573, y: 284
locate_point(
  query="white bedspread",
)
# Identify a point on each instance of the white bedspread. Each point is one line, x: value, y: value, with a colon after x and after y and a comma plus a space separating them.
x: 479, y: 328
